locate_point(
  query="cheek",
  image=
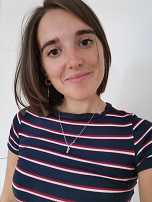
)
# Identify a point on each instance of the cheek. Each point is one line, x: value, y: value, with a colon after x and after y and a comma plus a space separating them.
x: 53, y: 74
x: 52, y: 70
x: 98, y: 62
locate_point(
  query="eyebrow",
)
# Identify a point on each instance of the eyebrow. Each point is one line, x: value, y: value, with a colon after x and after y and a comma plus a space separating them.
x: 78, y: 33
x: 84, y: 31
x: 48, y: 43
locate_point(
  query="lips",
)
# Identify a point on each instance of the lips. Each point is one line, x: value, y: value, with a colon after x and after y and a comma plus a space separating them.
x: 78, y: 77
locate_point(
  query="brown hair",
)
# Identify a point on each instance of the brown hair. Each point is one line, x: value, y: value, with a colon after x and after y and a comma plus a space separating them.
x: 29, y: 83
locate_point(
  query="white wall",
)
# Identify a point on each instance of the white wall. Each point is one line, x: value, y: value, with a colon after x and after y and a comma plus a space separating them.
x: 128, y: 25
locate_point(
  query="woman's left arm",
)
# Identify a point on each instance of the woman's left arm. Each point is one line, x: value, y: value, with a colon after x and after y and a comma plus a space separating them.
x: 145, y: 185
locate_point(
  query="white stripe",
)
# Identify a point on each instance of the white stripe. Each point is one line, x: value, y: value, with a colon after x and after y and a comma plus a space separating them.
x: 138, y: 124
x: 17, y: 199
x: 38, y: 127
x: 15, y: 132
x: 74, y: 171
x: 144, y: 147
x: 80, y: 147
x: 82, y: 124
x: 103, y: 150
x: 79, y: 160
x: 143, y: 135
x: 149, y: 156
x: 87, y: 137
x: 42, y: 117
x: 73, y: 186
x: 36, y: 194
x: 18, y: 119
x: 99, y: 124
x: 12, y: 146
x: 115, y: 115
x: 33, y: 114
x: 13, y: 140
x: 100, y: 137
x: 144, y: 159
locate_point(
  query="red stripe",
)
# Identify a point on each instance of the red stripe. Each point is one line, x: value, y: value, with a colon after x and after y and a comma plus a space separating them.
x: 75, y: 170
x: 74, y: 185
x: 19, y: 117
x: 79, y: 159
x: 79, y: 146
x: 143, y: 135
x: 137, y: 123
x: 43, y: 194
x: 15, y: 131
x: 84, y: 122
x: 118, y: 115
x: 74, y: 134
x: 12, y: 139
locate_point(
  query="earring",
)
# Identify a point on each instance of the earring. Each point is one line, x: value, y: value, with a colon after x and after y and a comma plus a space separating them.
x: 48, y: 83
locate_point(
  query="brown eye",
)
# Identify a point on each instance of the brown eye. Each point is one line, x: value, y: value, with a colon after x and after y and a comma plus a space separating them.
x: 86, y: 42
x: 54, y: 52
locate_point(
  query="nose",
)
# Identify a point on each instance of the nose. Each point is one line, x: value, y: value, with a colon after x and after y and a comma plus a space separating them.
x: 74, y: 58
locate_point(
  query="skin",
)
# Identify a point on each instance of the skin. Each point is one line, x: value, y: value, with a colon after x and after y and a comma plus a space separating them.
x: 75, y: 66
x: 145, y: 185
x: 72, y: 57
x: 7, y: 193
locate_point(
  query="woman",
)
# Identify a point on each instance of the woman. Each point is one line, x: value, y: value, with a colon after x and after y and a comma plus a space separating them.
x: 68, y: 144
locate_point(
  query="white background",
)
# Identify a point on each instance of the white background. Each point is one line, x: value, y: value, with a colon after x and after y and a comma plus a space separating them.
x: 128, y: 26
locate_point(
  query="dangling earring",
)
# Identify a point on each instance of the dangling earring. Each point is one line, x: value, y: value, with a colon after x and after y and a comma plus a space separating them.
x: 48, y: 83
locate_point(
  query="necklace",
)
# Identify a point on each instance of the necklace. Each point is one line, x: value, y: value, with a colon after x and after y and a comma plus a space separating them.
x: 69, y: 145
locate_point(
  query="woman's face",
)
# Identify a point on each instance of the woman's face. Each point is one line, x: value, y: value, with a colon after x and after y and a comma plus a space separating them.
x: 71, y: 54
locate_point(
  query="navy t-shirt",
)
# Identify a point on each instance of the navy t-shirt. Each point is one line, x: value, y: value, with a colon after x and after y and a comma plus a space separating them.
x: 102, y: 164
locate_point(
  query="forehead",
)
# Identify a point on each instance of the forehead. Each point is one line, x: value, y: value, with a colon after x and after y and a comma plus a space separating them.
x: 59, y: 14
x: 60, y: 21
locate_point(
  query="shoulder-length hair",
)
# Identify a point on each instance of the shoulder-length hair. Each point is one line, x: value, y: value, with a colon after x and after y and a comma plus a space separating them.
x: 29, y: 82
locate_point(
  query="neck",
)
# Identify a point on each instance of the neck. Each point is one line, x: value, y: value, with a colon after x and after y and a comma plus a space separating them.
x: 94, y: 105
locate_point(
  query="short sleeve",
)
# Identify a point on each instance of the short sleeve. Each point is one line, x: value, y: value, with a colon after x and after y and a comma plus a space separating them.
x: 13, y: 140
x: 142, y: 130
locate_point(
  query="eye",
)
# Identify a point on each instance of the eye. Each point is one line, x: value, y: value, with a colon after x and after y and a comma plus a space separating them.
x: 86, y: 42
x: 54, y: 53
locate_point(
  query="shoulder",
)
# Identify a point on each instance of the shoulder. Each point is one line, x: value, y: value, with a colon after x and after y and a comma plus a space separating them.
x: 115, y: 112
x: 26, y: 113
x: 135, y: 119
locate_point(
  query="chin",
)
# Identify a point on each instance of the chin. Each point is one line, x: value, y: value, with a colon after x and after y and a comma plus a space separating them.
x: 81, y: 96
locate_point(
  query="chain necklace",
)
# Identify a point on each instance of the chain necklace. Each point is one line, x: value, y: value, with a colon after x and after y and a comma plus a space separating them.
x: 69, y: 145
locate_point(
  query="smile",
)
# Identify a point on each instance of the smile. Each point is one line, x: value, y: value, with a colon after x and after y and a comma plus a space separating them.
x: 77, y: 78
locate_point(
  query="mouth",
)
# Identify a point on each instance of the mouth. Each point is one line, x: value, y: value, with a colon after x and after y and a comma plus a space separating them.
x: 77, y: 78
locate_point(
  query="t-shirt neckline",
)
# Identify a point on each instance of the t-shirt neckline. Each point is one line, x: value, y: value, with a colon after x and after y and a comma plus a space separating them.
x: 83, y: 116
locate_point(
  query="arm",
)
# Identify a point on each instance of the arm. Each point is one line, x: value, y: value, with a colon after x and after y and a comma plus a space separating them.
x: 145, y: 185
x: 7, y: 193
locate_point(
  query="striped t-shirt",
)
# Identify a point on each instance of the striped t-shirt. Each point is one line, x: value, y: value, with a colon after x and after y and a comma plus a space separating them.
x: 102, y: 165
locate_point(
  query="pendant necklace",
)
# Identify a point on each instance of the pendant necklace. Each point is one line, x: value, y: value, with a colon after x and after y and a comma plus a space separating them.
x: 69, y: 145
